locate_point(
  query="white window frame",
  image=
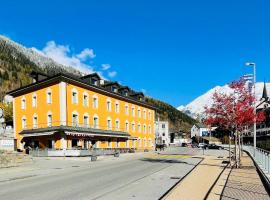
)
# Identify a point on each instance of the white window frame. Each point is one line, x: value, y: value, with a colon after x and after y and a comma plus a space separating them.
x: 85, y: 104
x: 117, y: 124
x: 144, y: 113
x: 139, y: 112
x: 35, y: 121
x: 144, y: 129
x: 34, y: 100
x: 133, y: 127
x: 126, y: 109
x: 133, y: 111
x: 23, y: 103
x: 95, y: 123
x: 87, y: 122
x: 75, y: 124
x: 49, y: 124
x: 109, y: 105
x: 74, y: 99
x: 126, y: 126
x: 117, y: 107
x: 95, y: 101
x: 23, y: 122
x: 109, y: 123
x: 49, y: 96
x: 139, y: 128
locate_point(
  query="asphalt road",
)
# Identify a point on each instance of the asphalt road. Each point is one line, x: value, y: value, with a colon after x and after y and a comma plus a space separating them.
x: 133, y: 176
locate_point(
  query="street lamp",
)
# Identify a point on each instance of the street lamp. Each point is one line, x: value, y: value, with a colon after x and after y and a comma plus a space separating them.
x: 251, y: 64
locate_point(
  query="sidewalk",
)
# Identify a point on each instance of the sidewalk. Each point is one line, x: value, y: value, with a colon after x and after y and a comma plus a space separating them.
x: 244, y: 183
x: 197, y: 184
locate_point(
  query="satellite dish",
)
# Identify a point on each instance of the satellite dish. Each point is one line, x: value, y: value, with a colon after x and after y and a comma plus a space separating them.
x: 1, y: 112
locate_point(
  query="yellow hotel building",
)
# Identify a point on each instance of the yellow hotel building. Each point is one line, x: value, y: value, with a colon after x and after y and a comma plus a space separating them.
x: 64, y: 112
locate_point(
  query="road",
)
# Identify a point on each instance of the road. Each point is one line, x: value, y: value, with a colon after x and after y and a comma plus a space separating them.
x: 132, y: 176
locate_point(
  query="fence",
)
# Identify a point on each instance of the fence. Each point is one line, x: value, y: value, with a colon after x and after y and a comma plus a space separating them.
x: 262, y: 158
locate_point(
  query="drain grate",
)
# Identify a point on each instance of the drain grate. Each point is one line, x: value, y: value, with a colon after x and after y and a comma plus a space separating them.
x: 175, y: 177
x: 75, y: 166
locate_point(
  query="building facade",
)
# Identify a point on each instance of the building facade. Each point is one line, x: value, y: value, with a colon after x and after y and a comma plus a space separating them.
x: 162, y: 132
x: 200, y: 130
x: 66, y: 112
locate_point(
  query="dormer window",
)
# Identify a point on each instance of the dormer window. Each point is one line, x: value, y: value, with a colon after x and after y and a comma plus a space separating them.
x: 114, y: 89
x: 94, y: 82
x: 126, y: 93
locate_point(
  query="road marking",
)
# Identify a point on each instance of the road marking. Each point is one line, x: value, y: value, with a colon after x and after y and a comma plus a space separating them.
x: 161, y: 156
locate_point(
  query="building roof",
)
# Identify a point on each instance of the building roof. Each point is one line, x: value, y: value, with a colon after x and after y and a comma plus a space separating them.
x: 264, y: 94
x: 76, y: 81
x: 200, y: 125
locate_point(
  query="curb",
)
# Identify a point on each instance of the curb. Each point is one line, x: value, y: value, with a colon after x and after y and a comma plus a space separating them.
x: 263, y: 177
x: 166, y: 193
x: 213, y: 185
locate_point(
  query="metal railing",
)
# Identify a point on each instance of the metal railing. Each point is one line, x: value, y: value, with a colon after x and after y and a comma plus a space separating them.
x: 262, y: 158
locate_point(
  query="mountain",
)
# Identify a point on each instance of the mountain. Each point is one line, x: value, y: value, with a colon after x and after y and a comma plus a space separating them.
x: 17, y: 62
x: 195, y: 108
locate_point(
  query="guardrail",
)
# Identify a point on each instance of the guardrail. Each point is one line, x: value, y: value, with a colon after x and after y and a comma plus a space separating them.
x: 262, y: 158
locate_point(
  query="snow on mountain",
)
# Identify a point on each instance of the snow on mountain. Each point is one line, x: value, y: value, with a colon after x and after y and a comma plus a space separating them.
x: 34, y: 55
x: 196, y: 107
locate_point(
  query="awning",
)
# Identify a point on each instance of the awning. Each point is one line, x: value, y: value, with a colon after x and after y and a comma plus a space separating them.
x: 75, y: 131
x: 38, y: 134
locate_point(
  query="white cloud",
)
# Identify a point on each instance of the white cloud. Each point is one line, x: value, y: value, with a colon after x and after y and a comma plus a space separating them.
x: 63, y: 55
x: 105, y: 66
x: 86, y: 53
x: 112, y: 74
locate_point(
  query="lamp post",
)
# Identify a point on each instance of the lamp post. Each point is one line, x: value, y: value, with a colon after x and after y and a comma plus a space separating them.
x: 254, y: 85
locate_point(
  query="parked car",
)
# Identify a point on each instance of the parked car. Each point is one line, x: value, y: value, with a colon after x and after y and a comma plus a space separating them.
x: 202, y: 145
x: 214, y: 146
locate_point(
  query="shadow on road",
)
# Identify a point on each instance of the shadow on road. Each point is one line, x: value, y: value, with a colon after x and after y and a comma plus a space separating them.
x: 158, y: 160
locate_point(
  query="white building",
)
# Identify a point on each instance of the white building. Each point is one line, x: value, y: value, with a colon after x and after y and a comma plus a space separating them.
x: 162, y: 132
x: 200, y: 130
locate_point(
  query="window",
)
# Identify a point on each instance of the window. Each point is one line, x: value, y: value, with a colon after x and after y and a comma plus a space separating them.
x: 150, y: 115
x: 109, y: 106
x: 149, y: 129
x: 163, y: 134
x: 109, y: 124
x: 117, y: 107
x: 49, y: 120
x: 85, y: 100
x: 74, y: 97
x: 139, y: 112
x: 35, y: 121
x: 139, y: 128
x: 133, y: 111
x: 127, y: 144
x: 75, y: 119
x: 163, y: 125
x: 117, y: 125
x: 140, y: 142
x: 24, y: 123
x: 144, y: 114
x: 126, y: 93
x: 133, y: 127
x: 145, y: 142
x: 85, y: 120
x: 114, y: 89
x: 127, y: 126
x: 34, y: 100
x: 94, y: 82
x: 95, y: 122
x: 74, y: 142
x: 23, y: 103
x: 144, y: 128
x: 117, y: 143
x: 110, y: 143
x: 95, y: 102
x: 49, y: 97
x: 126, y: 109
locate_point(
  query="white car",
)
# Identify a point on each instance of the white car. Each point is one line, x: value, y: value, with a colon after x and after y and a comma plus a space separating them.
x: 201, y: 145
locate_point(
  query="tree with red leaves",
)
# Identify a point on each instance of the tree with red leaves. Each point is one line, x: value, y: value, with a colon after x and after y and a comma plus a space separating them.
x: 233, y: 112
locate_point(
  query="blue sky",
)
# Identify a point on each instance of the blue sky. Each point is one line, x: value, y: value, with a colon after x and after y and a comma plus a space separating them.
x: 173, y: 50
